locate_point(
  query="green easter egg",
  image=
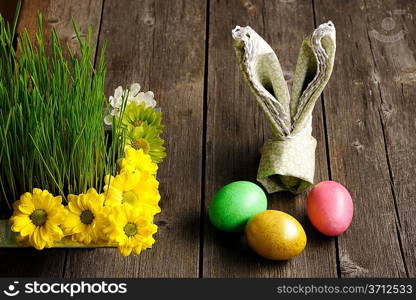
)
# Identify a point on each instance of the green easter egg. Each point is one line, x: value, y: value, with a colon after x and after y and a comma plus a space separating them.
x: 234, y: 204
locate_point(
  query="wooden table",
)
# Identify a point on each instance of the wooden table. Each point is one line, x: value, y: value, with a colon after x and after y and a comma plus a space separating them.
x: 365, y: 127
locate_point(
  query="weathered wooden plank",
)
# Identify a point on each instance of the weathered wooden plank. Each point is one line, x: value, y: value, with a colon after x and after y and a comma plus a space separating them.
x: 57, y: 13
x: 237, y: 130
x: 392, y: 33
x: 7, y: 9
x: 371, y: 246
x: 161, y: 45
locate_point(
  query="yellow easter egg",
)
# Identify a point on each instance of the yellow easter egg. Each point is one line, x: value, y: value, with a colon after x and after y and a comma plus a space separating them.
x: 275, y: 235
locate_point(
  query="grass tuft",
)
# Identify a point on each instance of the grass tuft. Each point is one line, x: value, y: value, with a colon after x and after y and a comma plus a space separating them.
x: 52, y: 133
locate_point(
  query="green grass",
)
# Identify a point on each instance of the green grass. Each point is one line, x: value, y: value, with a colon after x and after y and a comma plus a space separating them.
x: 52, y: 133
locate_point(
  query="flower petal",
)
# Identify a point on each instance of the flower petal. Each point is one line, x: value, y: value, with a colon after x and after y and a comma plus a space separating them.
x: 118, y: 93
x: 20, y: 222
x: 148, y: 99
x: 125, y: 250
x: 134, y: 89
x: 28, y: 229
x: 26, y: 206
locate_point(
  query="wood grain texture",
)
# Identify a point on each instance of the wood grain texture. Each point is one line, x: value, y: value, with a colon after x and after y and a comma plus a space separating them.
x: 365, y: 130
x: 236, y: 130
x: 7, y: 9
x: 57, y: 13
x: 159, y: 44
x: 371, y: 246
x: 392, y: 34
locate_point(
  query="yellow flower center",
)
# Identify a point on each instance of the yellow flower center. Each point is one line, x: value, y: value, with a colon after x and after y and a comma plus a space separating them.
x: 38, y: 217
x: 141, y: 144
x: 130, y: 229
x: 87, y: 217
x: 129, y: 197
x: 137, y: 123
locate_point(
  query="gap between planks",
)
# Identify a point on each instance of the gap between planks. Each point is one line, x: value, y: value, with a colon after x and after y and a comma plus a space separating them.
x: 204, y: 146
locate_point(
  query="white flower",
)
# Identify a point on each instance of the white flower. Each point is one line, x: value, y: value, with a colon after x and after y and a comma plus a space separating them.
x: 147, y: 98
x: 134, y: 95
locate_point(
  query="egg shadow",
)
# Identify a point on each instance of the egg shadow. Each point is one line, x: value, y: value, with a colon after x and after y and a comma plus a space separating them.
x: 236, y: 255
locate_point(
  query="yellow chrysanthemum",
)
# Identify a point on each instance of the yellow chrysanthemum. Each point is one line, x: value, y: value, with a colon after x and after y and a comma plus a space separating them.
x: 37, y: 217
x: 136, y: 188
x: 137, y: 160
x: 130, y: 228
x: 85, y: 218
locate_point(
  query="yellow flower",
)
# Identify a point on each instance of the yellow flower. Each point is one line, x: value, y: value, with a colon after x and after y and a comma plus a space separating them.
x: 130, y: 228
x: 85, y: 218
x: 140, y: 189
x: 37, y: 217
x: 137, y: 160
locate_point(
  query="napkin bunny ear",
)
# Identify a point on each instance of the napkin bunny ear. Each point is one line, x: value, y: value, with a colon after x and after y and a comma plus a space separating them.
x: 262, y: 71
x: 313, y: 70
x: 261, y: 68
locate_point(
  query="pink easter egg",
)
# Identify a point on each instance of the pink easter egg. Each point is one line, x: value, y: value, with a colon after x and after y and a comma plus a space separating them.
x: 330, y: 208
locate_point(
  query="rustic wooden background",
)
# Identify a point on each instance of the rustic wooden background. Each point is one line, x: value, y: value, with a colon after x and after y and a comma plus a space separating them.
x: 365, y: 126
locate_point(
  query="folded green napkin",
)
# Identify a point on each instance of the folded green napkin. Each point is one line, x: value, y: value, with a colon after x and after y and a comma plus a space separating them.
x: 288, y: 159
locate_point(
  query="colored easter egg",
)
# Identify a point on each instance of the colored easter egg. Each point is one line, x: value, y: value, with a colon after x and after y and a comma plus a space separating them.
x: 234, y: 204
x: 275, y: 235
x: 330, y: 208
